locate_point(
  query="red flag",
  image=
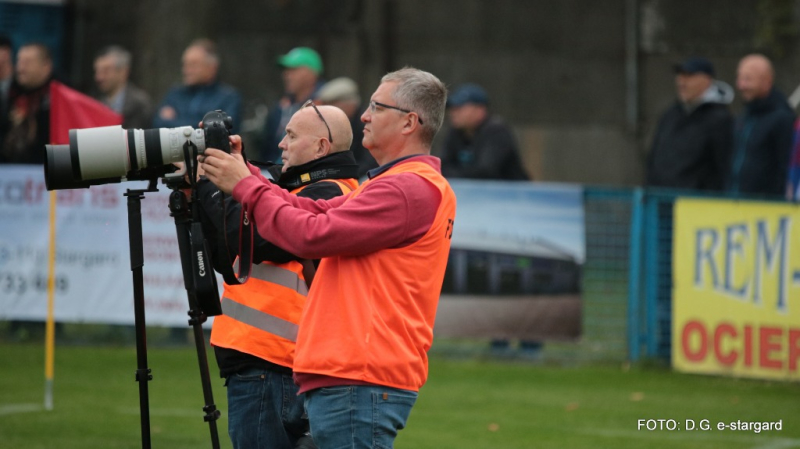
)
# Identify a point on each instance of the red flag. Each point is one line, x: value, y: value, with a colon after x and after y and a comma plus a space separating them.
x: 70, y: 109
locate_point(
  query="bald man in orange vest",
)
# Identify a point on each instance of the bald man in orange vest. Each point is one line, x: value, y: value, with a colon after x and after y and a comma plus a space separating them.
x: 254, y: 339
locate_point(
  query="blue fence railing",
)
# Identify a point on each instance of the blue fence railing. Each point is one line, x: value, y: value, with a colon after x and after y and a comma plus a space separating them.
x: 650, y: 286
x: 649, y: 313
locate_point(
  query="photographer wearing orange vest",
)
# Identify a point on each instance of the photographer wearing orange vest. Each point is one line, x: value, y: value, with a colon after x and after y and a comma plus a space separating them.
x: 368, y: 323
x: 254, y: 338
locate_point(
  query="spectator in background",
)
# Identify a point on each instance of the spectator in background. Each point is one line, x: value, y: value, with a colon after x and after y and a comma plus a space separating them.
x: 6, y: 72
x: 26, y: 128
x: 763, y: 133
x: 302, y: 68
x: 343, y: 93
x: 112, y: 67
x: 185, y: 105
x: 692, y: 144
x: 479, y: 144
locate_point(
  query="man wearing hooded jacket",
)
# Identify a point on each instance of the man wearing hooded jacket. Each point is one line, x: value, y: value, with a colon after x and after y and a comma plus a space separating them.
x: 692, y: 144
x: 254, y: 338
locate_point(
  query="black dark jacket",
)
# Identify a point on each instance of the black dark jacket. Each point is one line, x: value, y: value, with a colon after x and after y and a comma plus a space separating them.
x: 313, y: 175
x: 691, y: 148
x: 23, y: 140
x: 762, y: 147
x: 491, y: 153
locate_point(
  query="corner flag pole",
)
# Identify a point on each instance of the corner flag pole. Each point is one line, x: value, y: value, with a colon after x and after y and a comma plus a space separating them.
x: 69, y: 109
x: 50, y: 334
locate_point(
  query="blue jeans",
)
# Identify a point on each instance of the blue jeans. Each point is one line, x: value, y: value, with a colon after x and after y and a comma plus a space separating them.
x: 352, y: 417
x: 264, y: 410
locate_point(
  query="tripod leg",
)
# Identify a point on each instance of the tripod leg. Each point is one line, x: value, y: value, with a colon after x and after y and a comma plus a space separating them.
x: 143, y: 375
x: 212, y: 414
x: 180, y: 211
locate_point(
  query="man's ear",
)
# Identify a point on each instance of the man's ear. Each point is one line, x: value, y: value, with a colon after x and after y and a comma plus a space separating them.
x: 410, y: 124
x: 323, y: 149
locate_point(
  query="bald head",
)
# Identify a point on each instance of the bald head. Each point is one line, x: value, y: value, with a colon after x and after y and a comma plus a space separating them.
x: 340, y: 127
x: 754, y: 77
x: 307, y: 139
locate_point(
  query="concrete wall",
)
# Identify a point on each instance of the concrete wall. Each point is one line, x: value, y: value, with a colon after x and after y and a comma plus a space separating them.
x: 556, y: 70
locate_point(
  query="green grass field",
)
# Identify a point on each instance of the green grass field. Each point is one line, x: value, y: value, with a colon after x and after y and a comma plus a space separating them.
x: 466, y: 404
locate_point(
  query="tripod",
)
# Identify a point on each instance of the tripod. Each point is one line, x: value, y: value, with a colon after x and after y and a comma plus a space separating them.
x: 180, y: 211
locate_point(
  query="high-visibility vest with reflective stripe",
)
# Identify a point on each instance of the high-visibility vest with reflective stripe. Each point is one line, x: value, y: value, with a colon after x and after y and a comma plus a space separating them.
x: 261, y: 316
x: 370, y: 318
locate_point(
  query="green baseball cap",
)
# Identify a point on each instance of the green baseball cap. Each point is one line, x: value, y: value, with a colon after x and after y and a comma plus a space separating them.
x: 301, y: 57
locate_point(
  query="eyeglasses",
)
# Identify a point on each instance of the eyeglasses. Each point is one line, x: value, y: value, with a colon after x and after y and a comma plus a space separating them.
x: 373, y: 104
x: 311, y: 103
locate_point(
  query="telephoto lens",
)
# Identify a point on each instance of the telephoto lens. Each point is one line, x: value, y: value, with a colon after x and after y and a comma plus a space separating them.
x: 111, y: 154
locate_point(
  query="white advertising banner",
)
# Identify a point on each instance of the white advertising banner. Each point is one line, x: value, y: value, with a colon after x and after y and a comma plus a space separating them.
x: 93, y: 279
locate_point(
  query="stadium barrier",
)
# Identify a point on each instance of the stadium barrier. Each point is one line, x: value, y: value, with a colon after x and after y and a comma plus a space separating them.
x: 651, y: 262
x: 625, y: 289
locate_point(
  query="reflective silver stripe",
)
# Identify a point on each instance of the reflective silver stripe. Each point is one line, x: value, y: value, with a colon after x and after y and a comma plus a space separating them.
x: 259, y: 319
x: 276, y: 275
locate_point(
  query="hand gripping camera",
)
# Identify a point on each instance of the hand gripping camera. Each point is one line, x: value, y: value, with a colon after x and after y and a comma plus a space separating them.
x: 111, y: 154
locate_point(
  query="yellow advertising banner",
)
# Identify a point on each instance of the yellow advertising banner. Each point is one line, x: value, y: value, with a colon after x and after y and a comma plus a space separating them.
x: 736, y: 289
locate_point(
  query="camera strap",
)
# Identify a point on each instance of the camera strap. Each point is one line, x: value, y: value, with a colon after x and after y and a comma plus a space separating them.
x: 203, y: 277
x: 205, y: 282
x: 245, y: 250
x: 245, y: 247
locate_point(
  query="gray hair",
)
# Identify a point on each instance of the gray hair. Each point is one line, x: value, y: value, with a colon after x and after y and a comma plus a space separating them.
x: 423, y: 93
x: 122, y: 57
x: 209, y: 47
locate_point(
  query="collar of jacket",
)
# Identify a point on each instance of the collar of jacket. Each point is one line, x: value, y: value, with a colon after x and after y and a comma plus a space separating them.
x: 341, y: 165
x: 774, y: 100
x: 19, y: 90
x: 213, y: 85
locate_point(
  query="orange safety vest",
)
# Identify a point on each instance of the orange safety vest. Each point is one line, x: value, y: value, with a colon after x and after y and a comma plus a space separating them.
x: 370, y: 318
x: 261, y: 316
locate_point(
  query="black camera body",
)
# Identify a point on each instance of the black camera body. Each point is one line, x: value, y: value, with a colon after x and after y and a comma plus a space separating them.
x: 217, y: 128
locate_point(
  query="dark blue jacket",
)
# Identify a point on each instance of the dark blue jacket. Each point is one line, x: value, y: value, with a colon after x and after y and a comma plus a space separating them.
x: 762, y: 147
x: 192, y: 102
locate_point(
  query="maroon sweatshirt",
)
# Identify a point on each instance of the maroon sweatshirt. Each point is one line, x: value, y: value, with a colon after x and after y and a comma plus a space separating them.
x: 391, y: 212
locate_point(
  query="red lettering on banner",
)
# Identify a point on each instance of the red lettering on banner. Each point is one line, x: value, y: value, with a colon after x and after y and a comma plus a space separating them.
x: 694, y: 327
x: 778, y: 348
x: 725, y: 329
x: 34, y: 191
x: 748, y: 346
x: 71, y: 197
x: 794, y: 348
x: 766, y: 346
